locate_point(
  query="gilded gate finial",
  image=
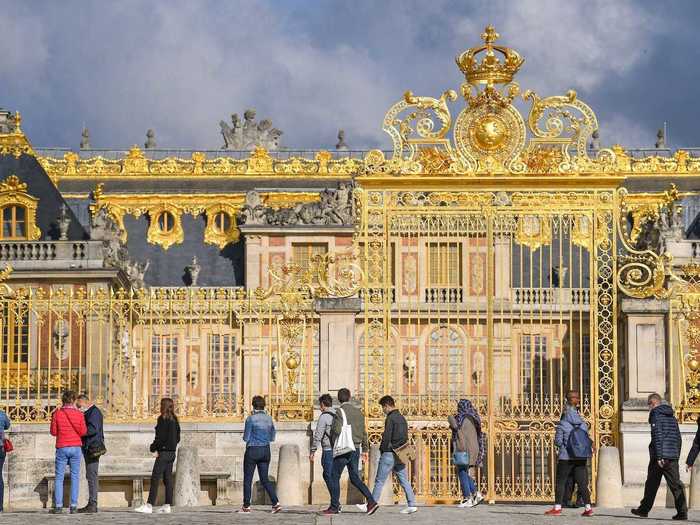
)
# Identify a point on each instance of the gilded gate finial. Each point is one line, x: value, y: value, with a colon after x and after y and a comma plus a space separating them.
x: 491, y: 70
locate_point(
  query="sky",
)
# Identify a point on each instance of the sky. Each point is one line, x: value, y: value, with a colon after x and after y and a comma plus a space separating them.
x: 313, y: 67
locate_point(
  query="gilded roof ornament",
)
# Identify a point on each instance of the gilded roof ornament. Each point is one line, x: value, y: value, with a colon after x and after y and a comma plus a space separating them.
x: 490, y: 69
x: 490, y: 136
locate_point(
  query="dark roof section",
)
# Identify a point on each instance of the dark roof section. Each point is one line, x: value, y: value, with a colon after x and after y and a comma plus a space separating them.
x: 167, y: 267
x: 29, y: 171
x: 187, y: 185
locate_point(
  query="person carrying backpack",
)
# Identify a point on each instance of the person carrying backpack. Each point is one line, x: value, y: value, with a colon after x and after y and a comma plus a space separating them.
x: 575, y: 447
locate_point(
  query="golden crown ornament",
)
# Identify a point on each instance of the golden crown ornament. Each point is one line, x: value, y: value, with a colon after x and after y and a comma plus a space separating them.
x: 490, y: 69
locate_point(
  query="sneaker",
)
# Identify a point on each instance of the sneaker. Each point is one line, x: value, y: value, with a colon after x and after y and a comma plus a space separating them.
x: 409, y: 510
x: 553, y: 512
x: 88, y: 509
x: 276, y: 508
x: 146, y: 508
x: 362, y: 506
x: 56, y: 510
x: 372, y: 508
x: 477, y: 498
x: 639, y: 512
x: 587, y: 513
x: 466, y: 503
x: 73, y: 510
x: 330, y: 511
x: 244, y: 510
x: 680, y: 517
x: 165, y: 509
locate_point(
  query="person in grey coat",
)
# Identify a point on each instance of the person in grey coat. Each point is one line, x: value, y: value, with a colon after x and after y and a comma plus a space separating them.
x: 322, y: 438
x: 570, y: 420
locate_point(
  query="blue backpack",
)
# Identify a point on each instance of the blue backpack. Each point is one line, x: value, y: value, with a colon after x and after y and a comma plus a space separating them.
x: 580, y: 445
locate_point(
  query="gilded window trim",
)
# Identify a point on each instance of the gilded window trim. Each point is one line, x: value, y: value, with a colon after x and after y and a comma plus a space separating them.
x: 14, y: 192
x: 218, y: 238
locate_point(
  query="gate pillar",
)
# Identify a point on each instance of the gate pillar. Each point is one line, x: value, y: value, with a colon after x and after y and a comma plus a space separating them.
x: 645, y: 354
x: 645, y: 371
x: 337, y: 353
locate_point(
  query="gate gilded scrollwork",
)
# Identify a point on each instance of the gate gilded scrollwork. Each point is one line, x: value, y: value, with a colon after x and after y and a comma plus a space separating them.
x: 489, y: 252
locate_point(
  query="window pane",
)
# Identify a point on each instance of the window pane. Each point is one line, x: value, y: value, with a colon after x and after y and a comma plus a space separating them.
x: 19, y: 213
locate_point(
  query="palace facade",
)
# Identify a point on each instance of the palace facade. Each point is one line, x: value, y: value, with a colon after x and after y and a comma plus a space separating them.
x: 496, y: 251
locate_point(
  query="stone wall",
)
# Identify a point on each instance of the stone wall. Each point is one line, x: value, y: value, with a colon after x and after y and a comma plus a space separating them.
x: 220, y: 447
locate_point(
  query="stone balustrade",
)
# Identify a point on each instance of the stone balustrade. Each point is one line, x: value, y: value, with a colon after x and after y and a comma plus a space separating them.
x: 51, y: 255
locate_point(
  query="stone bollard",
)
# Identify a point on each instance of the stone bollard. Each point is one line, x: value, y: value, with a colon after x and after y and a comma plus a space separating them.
x: 84, y: 493
x: 289, y: 476
x: 694, y: 489
x: 387, y: 496
x: 609, y: 483
x: 187, y: 483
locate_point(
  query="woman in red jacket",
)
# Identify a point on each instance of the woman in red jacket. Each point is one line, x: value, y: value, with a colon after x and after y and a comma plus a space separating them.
x: 68, y: 425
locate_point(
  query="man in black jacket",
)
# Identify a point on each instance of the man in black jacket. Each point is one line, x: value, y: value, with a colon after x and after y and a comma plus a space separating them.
x: 394, y: 437
x: 92, y: 441
x: 664, y: 451
x: 694, y: 450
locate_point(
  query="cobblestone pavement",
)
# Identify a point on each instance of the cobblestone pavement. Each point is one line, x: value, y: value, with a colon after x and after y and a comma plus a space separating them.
x: 482, y: 515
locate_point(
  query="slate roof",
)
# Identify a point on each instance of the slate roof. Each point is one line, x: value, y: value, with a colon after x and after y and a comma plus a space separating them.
x: 29, y: 171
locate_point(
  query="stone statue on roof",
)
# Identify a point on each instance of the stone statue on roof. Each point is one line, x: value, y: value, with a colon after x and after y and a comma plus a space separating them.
x: 150, y: 139
x: 85, y: 140
x: 341, y: 145
x: 249, y: 134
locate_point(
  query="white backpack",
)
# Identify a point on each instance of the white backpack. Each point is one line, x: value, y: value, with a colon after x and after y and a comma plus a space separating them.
x: 344, y: 444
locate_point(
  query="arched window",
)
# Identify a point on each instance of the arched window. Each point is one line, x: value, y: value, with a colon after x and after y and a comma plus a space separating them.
x: 222, y: 222
x: 445, y: 367
x: 14, y: 222
x: 166, y: 222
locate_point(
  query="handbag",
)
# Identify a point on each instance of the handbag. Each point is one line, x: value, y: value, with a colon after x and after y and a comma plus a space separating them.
x: 344, y: 443
x: 405, y: 453
x: 7, y: 446
x: 461, y: 459
x: 96, y: 450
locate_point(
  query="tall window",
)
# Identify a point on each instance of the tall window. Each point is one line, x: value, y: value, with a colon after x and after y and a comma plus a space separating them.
x: 15, y: 337
x: 164, y: 366
x: 445, y: 367
x: 303, y: 254
x: 14, y: 222
x: 534, y: 374
x: 445, y: 264
x: 222, y: 365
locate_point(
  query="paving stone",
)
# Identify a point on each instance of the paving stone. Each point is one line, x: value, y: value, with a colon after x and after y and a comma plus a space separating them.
x: 426, y: 515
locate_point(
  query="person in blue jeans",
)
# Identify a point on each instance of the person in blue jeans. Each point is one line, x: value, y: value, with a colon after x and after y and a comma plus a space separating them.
x: 258, y: 433
x: 395, y: 435
x: 322, y: 438
x: 4, y: 425
x: 68, y: 425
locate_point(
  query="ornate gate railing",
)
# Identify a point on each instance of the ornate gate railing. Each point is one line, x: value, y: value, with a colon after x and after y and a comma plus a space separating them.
x: 503, y: 298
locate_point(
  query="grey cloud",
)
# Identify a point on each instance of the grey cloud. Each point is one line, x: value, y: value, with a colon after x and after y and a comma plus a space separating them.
x: 180, y: 67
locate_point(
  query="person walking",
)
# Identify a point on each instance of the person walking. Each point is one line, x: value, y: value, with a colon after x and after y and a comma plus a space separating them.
x: 469, y: 449
x: 322, y: 438
x: 4, y: 425
x: 93, y: 448
x: 349, y: 415
x: 694, y: 449
x: 664, y: 452
x: 575, y: 447
x: 394, y: 437
x: 258, y: 433
x: 68, y: 426
x: 164, y: 446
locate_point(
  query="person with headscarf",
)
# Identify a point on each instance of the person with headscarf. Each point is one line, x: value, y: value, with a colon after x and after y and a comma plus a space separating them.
x: 469, y: 449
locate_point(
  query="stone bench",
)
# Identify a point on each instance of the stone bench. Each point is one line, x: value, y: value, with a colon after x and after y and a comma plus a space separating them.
x: 137, y: 480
